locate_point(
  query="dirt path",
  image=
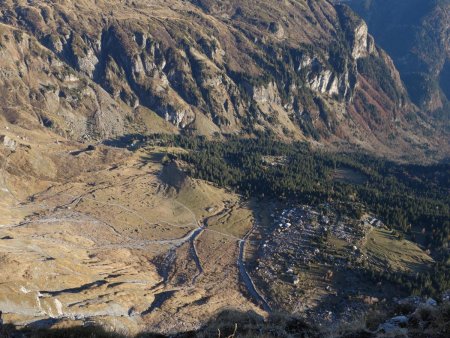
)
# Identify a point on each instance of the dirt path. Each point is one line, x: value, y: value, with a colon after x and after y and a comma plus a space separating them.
x: 195, y: 255
x: 249, y: 284
x: 191, y: 237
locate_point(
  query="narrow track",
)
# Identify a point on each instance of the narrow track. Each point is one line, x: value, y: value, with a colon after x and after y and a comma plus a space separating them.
x: 247, y: 279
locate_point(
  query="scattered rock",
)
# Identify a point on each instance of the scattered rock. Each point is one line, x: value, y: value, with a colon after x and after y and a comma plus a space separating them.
x: 395, y: 326
x: 431, y: 302
x: 412, y: 300
x: 8, y: 142
x: 399, y: 320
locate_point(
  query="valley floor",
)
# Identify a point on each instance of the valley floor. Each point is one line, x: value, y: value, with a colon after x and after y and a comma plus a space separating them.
x: 118, y: 240
x: 126, y: 240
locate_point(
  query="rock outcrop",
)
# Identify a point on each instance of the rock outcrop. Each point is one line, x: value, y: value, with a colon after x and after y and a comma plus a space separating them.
x: 8, y: 142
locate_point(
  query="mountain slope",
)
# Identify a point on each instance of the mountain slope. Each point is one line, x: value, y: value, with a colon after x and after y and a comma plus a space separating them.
x: 303, y: 69
x: 299, y: 70
x: 417, y: 36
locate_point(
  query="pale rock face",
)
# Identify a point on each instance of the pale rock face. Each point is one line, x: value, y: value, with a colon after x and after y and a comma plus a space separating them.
x: 306, y: 62
x: 333, y: 85
x: 153, y: 61
x: 343, y: 85
x: 363, y: 43
x: 267, y: 94
x: 8, y: 142
x: 371, y: 48
x: 213, y: 81
x: 324, y: 82
x: 161, y: 82
x: 176, y: 118
x: 88, y: 63
x: 177, y: 112
x: 71, y: 78
x: 149, y: 66
x: 218, y: 55
x: 138, y: 66
x: 179, y: 116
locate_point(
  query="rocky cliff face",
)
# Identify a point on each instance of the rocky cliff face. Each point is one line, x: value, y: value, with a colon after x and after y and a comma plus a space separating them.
x: 38, y: 89
x: 297, y: 69
x: 416, y: 34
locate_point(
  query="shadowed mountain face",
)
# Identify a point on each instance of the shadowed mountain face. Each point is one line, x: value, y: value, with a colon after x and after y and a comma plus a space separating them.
x: 416, y: 35
x: 303, y: 69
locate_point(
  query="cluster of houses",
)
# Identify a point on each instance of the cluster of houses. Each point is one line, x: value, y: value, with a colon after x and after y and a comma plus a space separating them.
x: 294, y: 239
x: 304, y: 239
x: 298, y: 240
x: 299, y: 232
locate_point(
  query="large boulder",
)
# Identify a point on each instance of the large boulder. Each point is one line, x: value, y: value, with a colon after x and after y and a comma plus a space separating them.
x: 8, y: 142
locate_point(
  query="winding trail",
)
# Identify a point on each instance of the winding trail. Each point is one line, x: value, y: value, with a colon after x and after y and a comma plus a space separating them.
x: 192, y: 236
x: 247, y: 279
x: 196, y: 257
